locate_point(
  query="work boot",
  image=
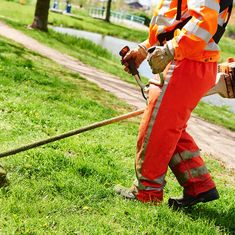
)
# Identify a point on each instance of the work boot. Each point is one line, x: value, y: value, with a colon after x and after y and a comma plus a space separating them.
x: 127, y: 193
x: 187, y: 200
x: 3, y: 177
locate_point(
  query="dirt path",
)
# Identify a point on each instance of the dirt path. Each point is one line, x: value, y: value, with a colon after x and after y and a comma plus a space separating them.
x: 212, y: 139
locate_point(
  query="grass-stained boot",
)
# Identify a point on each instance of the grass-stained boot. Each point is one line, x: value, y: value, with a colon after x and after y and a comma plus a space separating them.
x: 187, y: 200
x: 3, y: 177
x: 127, y: 193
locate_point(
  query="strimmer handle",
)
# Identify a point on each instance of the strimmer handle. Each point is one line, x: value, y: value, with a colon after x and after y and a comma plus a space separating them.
x: 131, y: 62
x: 133, y: 69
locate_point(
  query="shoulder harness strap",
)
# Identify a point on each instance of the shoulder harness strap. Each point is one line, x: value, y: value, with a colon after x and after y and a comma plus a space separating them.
x: 179, y: 6
x: 220, y: 29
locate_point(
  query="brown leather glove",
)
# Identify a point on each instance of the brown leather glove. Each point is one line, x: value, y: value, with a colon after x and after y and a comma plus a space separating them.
x: 138, y: 54
x: 159, y: 57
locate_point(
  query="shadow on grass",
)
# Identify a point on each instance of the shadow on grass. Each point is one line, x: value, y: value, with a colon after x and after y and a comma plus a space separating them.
x: 225, y: 219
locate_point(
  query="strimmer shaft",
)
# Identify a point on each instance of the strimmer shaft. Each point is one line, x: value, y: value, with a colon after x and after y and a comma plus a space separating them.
x: 71, y: 133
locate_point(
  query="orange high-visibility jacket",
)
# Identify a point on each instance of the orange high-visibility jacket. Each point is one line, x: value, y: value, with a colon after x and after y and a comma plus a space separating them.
x: 194, y: 41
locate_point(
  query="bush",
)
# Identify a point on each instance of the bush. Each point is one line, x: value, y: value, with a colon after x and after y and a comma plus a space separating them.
x: 145, y: 16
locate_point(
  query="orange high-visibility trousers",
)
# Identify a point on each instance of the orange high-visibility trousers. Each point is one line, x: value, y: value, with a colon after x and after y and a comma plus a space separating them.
x: 163, y: 139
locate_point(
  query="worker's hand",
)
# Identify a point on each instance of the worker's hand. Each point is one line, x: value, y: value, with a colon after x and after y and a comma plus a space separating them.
x: 138, y: 55
x: 158, y: 58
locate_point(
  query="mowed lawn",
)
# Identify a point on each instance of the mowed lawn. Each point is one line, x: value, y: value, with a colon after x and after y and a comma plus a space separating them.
x: 67, y: 187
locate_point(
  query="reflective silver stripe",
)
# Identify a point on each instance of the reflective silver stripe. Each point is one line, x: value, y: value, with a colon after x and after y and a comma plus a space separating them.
x: 178, y: 38
x: 183, y: 156
x: 212, y: 46
x: 159, y: 180
x: 160, y: 29
x: 192, y: 173
x: 220, y: 20
x: 165, y: 7
x: 140, y: 186
x: 165, y: 21
x: 155, y: 111
x: 185, y: 15
x: 195, y: 172
x: 170, y: 47
x: 153, y: 20
x: 186, y: 155
x: 196, y: 5
x: 155, y: 189
x: 192, y: 28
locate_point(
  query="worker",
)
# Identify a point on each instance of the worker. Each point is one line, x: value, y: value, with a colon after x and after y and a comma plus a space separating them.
x: 68, y: 7
x: 182, y: 45
x: 3, y: 176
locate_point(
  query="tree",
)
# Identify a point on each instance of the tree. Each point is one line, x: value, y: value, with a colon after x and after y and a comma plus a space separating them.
x: 108, y: 11
x: 41, y: 15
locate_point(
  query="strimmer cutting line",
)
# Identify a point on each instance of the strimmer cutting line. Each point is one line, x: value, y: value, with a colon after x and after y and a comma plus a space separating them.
x: 71, y: 133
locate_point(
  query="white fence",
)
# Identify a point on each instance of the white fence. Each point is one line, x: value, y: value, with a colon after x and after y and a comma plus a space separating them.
x: 115, y: 16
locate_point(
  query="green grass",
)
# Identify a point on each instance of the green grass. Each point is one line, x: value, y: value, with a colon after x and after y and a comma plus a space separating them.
x: 82, y: 49
x: 67, y: 187
x: 227, y: 46
x: 89, y: 53
x: 219, y: 115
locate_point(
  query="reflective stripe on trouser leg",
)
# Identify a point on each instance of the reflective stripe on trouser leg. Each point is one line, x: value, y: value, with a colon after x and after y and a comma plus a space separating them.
x: 156, y: 195
x: 189, y: 168
x: 161, y: 128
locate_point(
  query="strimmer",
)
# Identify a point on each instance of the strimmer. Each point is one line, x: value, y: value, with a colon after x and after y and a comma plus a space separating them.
x: 225, y: 86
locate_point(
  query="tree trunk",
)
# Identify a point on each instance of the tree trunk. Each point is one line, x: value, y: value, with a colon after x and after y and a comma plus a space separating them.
x: 108, y: 11
x: 41, y: 15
